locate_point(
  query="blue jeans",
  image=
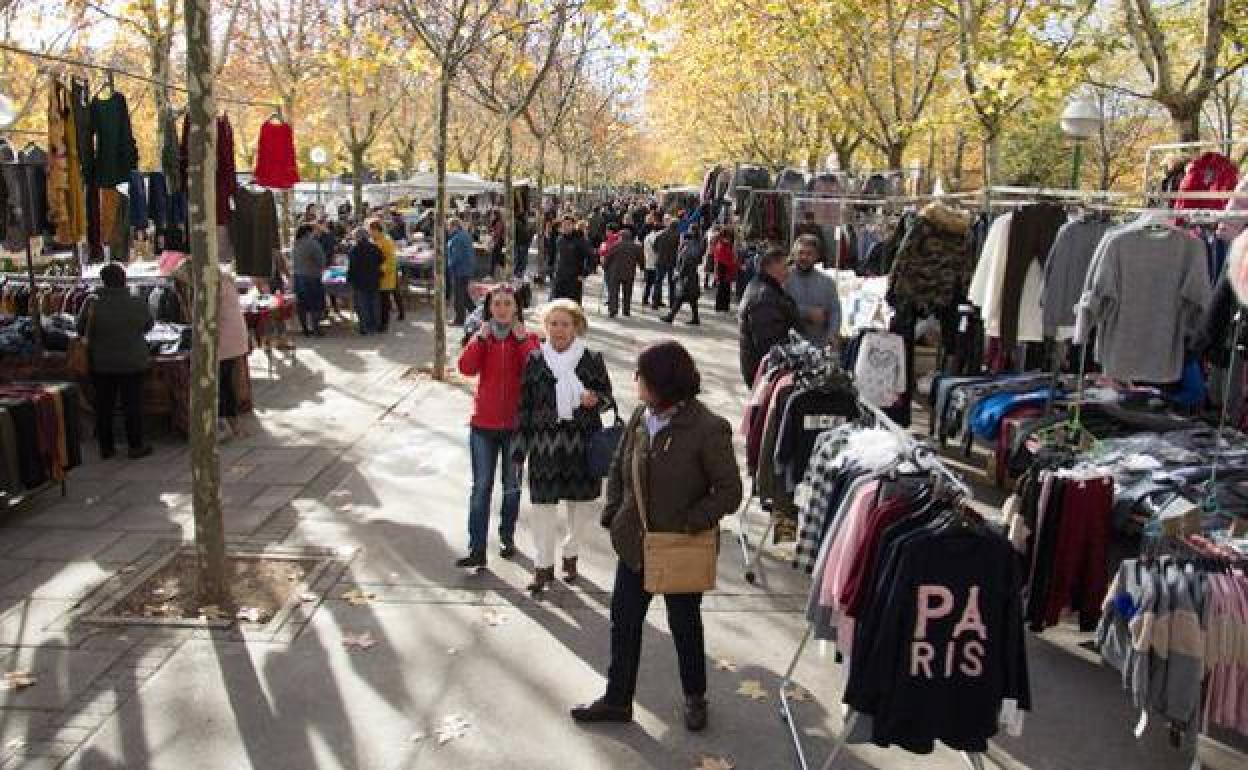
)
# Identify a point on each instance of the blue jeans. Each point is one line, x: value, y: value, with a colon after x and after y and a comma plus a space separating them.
x: 368, y: 310
x: 486, y: 446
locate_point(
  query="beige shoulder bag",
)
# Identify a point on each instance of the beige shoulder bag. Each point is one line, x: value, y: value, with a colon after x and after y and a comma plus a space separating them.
x: 673, y: 562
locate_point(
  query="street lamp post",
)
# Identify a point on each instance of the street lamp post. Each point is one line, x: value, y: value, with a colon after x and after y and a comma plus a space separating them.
x: 1080, y: 121
x: 319, y: 158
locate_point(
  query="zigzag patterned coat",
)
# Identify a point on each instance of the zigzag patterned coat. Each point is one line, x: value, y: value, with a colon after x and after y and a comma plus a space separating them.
x: 558, y: 450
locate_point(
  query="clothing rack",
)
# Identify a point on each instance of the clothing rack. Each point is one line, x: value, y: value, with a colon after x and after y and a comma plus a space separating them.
x: 117, y: 71
x: 1209, y: 144
x: 973, y: 759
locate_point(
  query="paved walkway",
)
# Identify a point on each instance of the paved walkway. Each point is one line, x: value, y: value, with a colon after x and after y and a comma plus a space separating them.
x: 354, y: 454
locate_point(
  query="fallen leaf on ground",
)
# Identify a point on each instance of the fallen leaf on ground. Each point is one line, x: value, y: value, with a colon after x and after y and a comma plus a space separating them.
x: 362, y: 641
x: 211, y: 612
x: 723, y: 664
x: 17, y: 680
x: 340, y: 493
x: 707, y: 762
x: 14, y: 744
x: 495, y: 618
x: 795, y: 692
x: 128, y: 568
x: 250, y: 614
x: 91, y: 500
x: 357, y: 597
x: 416, y: 738
x: 753, y: 689
x: 452, y: 727
x: 452, y: 651
x: 309, y: 597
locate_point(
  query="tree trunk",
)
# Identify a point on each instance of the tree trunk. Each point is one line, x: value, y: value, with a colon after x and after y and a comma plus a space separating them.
x: 509, y: 209
x: 563, y: 176
x: 844, y: 155
x: 541, y: 171
x: 213, y: 588
x: 992, y: 159
x: 1185, y: 116
x: 160, y: 64
x: 439, y: 227
x: 894, y: 155
x: 958, y: 170
x: 357, y: 180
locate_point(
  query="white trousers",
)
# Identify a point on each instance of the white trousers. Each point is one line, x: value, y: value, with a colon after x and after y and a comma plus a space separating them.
x: 547, y: 524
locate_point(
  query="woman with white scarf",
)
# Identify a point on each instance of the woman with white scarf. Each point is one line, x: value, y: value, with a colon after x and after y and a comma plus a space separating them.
x: 564, y: 390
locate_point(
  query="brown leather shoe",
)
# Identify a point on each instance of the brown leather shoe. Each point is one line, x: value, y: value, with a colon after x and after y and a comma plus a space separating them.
x: 601, y: 711
x: 569, y: 570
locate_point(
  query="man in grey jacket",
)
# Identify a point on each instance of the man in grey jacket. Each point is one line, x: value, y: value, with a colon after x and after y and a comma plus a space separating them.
x: 815, y: 294
x: 666, y: 247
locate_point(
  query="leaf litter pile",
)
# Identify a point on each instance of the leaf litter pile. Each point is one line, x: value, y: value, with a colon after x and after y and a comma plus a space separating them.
x: 259, y: 588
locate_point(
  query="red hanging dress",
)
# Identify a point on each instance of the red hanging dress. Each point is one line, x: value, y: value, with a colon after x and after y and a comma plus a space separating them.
x: 276, y: 166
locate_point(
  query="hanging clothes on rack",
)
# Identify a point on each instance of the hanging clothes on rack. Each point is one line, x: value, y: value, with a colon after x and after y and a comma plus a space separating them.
x: 276, y: 162
x: 920, y: 595
x: 1066, y: 270
x: 116, y: 152
x: 1145, y: 293
x: 226, y: 180
x: 66, y: 201
x: 768, y: 216
x: 253, y: 232
x: 1210, y: 172
x: 20, y: 181
x: 1032, y: 232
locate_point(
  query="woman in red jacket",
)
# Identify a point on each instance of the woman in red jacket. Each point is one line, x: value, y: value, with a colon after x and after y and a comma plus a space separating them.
x: 724, y: 252
x: 496, y: 355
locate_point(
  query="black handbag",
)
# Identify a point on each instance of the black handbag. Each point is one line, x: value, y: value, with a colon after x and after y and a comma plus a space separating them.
x: 603, y: 444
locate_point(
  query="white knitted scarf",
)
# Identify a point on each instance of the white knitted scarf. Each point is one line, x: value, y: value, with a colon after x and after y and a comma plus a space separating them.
x: 568, y: 387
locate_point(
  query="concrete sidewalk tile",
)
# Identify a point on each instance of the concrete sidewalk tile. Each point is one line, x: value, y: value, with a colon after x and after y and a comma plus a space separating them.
x: 12, y: 569
x: 127, y: 549
x: 25, y: 621
x: 58, y: 580
x: 262, y: 457
x: 70, y: 515
x: 13, y: 539
x: 62, y: 676
x: 67, y: 545
x: 141, y: 493
x: 149, y: 519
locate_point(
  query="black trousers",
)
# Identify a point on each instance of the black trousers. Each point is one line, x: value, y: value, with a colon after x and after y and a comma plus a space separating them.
x: 723, y: 290
x: 463, y: 300
x: 629, y: 602
x: 389, y: 296
x: 227, y: 398
x: 679, y: 300
x: 617, y: 286
x: 107, y: 389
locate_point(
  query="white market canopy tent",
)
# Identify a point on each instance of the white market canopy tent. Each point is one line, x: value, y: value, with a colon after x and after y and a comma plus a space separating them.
x: 423, y: 185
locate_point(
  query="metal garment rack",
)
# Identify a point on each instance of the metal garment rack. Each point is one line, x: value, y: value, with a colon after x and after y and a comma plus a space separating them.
x: 975, y: 760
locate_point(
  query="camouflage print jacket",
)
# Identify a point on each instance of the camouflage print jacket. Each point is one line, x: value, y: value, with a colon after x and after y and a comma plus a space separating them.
x: 933, y: 265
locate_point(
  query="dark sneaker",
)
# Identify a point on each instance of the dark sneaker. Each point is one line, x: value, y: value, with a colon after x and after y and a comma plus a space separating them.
x: 601, y: 711
x: 695, y: 713
x: 475, y: 559
x: 508, y: 549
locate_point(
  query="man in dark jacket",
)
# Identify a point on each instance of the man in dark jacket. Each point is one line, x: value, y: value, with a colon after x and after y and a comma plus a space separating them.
x: 620, y: 268
x: 364, y: 274
x: 767, y: 313
x: 572, y: 253
x: 597, y: 227
x: 114, y: 323
x: 666, y: 247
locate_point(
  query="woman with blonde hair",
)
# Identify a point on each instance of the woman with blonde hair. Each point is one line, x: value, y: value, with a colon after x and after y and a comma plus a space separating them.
x: 564, y: 389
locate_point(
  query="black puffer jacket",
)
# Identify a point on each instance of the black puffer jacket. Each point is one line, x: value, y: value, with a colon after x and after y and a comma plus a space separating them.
x: 767, y: 314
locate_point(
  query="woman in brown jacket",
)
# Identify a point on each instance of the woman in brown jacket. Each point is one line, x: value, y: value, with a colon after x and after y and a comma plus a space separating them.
x: 690, y: 480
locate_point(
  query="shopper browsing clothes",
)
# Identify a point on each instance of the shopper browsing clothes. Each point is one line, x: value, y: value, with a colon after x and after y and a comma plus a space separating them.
x: 308, y: 260
x: 564, y: 389
x: 114, y: 323
x: 364, y: 274
x: 233, y: 346
x: 767, y: 313
x: 497, y: 356
x: 461, y: 257
x: 676, y: 468
x: 388, y: 286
